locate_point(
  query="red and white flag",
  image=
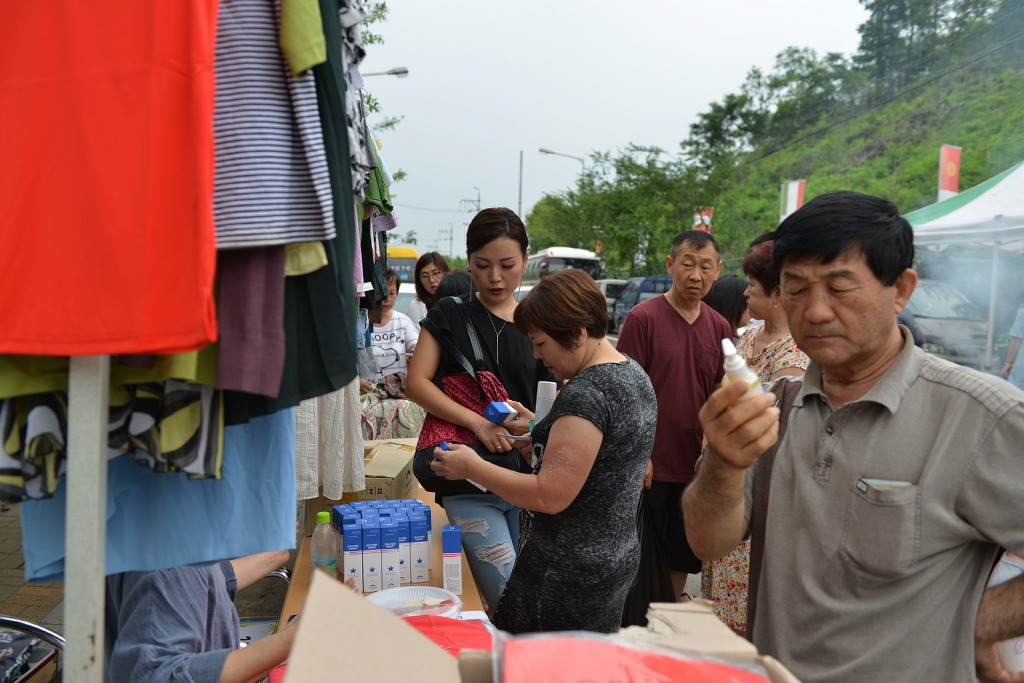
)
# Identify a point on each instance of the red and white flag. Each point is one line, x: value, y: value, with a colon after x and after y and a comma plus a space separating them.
x: 702, y: 219
x: 792, y: 197
x: 949, y: 171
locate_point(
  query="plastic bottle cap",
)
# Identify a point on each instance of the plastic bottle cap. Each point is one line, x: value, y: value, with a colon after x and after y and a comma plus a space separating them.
x: 728, y: 348
x: 323, y: 517
x: 546, y: 390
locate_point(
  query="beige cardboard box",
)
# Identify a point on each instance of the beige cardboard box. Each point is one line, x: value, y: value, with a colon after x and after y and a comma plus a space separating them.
x: 388, y: 467
x: 364, y: 643
x: 344, y: 637
x: 693, y: 626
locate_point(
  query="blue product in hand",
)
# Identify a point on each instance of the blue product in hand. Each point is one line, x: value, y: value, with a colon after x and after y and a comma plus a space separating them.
x: 500, y: 411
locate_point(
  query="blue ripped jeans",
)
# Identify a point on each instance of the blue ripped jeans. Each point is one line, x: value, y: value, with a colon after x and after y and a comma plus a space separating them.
x: 490, y: 536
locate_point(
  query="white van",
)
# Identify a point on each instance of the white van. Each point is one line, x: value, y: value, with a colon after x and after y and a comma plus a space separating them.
x: 561, y: 258
x: 611, y: 290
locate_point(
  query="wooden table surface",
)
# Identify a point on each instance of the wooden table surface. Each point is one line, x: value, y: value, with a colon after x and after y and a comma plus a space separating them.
x: 298, y: 587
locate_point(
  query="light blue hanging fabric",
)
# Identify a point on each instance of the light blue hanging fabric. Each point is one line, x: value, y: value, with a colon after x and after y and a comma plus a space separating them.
x: 156, y: 521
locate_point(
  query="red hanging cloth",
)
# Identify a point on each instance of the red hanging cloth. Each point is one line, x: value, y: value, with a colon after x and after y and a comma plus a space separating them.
x: 107, y: 242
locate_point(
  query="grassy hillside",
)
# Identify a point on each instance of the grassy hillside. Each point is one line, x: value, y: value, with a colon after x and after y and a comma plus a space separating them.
x: 891, y: 151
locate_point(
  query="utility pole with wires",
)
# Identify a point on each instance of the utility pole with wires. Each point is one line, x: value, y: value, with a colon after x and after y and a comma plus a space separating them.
x: 443, y: 232
x: 472, y: 205
x: 472, y: 202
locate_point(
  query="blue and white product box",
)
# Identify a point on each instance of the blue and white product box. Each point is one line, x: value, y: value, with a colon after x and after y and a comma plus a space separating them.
x: 419, y: 551
x: 359, y: 504
x: 500, y: 411
x: 425, y: 510
x: 405, y: 558
x: 372, y: 574
x: 339, y: 514
x: 351, y: 564
x: 390, y: 554
x: 378, y: 504
x: 451, y: 552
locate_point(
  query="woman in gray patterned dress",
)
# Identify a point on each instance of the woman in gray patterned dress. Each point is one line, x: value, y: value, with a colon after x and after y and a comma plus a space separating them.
x: 578, y: 548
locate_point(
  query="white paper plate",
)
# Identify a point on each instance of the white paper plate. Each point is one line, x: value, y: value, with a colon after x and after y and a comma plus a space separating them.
x: 398, y: 600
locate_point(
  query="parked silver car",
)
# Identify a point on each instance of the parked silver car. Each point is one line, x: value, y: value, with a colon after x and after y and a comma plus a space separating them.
x: 953, y: 326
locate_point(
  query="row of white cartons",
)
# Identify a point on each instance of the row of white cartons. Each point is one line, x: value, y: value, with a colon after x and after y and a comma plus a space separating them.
x: 382, y: 544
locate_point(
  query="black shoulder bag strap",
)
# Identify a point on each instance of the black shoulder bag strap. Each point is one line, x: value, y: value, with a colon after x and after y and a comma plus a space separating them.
x: 449, y: 347
x: 786, y: 390
x: 474, y: 338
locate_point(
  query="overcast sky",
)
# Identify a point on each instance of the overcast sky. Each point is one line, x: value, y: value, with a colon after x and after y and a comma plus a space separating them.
x: 488, y: 79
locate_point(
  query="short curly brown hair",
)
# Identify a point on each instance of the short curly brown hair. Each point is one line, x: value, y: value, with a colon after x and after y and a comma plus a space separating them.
x: 561, y: 304
x: 758, y: 265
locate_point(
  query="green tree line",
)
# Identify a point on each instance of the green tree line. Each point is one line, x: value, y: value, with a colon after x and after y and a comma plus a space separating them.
x: 926, y: 72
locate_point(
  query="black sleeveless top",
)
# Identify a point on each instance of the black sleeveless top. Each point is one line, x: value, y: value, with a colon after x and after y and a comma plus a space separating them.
x: 518, y: 370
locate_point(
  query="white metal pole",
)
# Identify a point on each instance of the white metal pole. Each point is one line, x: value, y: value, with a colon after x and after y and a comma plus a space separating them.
x: 86, y: 518
x: 993, y: 288
x: 519, y: 212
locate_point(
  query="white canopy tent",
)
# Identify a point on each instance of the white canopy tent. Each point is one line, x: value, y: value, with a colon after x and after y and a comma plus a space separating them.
x: 990, y: 214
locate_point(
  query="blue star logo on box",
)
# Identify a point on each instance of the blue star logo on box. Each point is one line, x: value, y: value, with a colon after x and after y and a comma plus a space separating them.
x: 373, y: 569
x: 352, y: 571
x: 419, y: 560
x: 391, y: 569
x: 401, y: 562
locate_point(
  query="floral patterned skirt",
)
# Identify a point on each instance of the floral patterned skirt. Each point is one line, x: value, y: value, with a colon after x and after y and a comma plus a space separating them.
x: 724, y: 582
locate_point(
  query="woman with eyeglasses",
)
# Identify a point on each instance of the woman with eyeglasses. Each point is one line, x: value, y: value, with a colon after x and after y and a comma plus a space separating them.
x: 430, y: 268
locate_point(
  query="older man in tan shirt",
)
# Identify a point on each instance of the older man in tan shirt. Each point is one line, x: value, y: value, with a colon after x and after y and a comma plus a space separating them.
x: 899, y: 476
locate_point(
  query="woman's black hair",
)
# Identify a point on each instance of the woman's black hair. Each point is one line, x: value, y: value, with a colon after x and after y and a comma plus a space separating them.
x: 490, y: 224
x: 726, y: 297
x: 454, y: 283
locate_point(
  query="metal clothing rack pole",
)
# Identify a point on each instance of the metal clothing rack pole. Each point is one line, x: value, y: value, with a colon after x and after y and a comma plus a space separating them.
x: 86, y: 518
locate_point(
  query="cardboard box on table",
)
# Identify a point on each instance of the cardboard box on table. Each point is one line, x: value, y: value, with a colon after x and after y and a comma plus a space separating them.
x: 693, y: 627
x: 371, y: 644
x: 388, y: 467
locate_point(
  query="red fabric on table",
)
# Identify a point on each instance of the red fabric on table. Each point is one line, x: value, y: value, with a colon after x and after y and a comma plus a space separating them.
x: 276, y: 675
x: 569, y: 660
x: 107, y: 242
x: 453, y: 635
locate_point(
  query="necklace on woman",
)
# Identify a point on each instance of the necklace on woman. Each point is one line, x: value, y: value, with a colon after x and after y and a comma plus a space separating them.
x: 497, y: 333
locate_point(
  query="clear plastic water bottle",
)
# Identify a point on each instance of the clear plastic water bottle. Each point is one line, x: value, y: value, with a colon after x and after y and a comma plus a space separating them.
x: 322, y: 550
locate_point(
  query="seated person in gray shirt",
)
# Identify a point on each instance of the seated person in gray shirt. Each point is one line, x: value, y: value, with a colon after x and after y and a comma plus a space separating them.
x: 180, y: 624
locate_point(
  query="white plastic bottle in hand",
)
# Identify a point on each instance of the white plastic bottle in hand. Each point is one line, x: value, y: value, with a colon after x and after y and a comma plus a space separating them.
x: 545, y: 397
x: 736, y: 370
x: 321, y: 547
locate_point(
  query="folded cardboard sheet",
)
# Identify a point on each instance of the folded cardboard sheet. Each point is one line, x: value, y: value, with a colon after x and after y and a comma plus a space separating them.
x: 343, y: 636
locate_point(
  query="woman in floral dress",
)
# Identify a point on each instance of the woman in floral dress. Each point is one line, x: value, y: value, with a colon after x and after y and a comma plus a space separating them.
x: 771, y: 352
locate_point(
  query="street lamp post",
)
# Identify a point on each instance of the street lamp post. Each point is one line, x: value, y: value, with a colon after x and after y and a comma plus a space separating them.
x: 399, y: 71
x: 583, y: 162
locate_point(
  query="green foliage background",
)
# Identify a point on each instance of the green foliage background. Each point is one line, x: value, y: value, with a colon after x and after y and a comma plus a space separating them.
x: 928, y: 72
